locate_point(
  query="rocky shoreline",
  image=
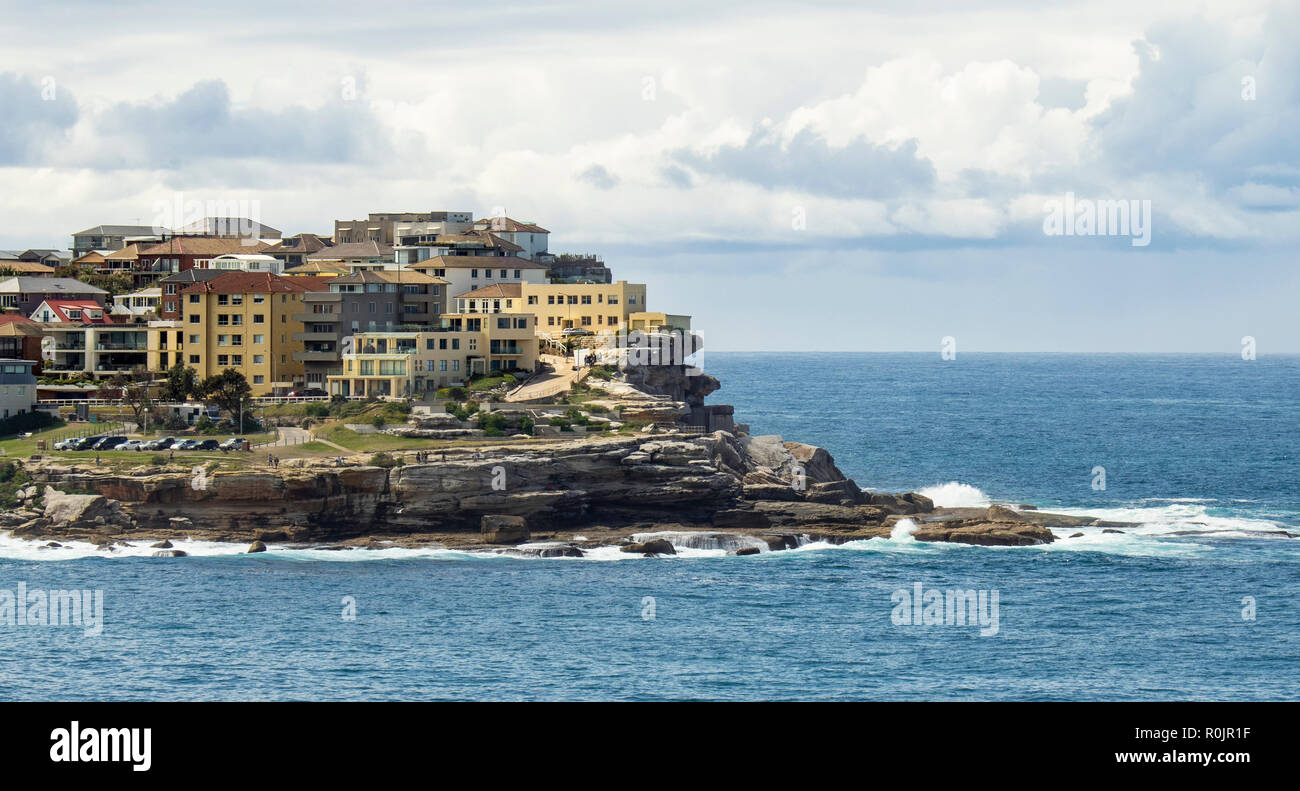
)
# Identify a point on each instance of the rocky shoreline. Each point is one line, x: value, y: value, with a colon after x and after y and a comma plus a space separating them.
x: 555, y: 498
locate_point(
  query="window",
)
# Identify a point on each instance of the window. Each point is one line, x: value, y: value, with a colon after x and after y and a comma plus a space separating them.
x: 223, y: 340
x: 613, y: 299
x: 613, y: 319
x: 223, y: 319
x: 223, y: 300
x: 236, y: 320
x: 194, y: 339
x: 170, y: 307
x: 532, y: 299
x: 503, y: 273
x: 236, y: 299
x: 194, y: 318
x: 503, y: 324
x: 442, y: 365
x: 259, y: 299
x: 550, y: 320
x: 573, y: 299
x: 455, y: 365
x: 169, y: 288
x: 236, y: 340
x: 455, y: 343
x: 258, y: 379
x: 223, y: 359
x: 258, y: 340
x: 586, y: 321
x: 259, y: 359
x: 237, y: 359
x: 518, y: 274
x: 586, y: 299
x: 194, y: 299
x: 550, y: 299
x: 631, y: 299
x: 259, y: 318
x: 473, y: 273
x: 194, y: 359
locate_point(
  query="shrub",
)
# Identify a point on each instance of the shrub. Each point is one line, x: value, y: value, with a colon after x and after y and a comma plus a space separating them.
x: 27, y: 421
x: 379, y: 422
x: 382, y: 459
x: 317, y: 410
x: 526, y: 425
x: 306, y: 423
x: 158, y: 460
x: 598, y: 408
x: 492, y: 424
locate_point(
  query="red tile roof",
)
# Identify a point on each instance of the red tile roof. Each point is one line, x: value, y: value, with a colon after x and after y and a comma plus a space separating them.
x: 258, y: 283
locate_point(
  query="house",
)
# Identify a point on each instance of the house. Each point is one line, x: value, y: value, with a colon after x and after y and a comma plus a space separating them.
x: 293, y: 250
x: 363, y: 301
x: 357, y: 255
x: 20, y: 338
x: 79, y: 311
x: 579, y: 269
x: 16, y: 266
x: 138, y: 303
x: 413, y: 249
x: 123, y: 260
x: 468, y: 272
x: 113, y: 237
x: 24, y: 293
x: 17, y: 387
x: 246, y: 262
x: 228, y: 228
x: 531, y: 237
x: 319, y: 269
x: 247, y: 321
x: 188, y: 252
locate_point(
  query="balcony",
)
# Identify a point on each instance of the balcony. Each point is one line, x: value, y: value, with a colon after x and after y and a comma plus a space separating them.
x: 315, y: 336
x: 119, y: 347
x: 316, y: 357
x: 317, y: 318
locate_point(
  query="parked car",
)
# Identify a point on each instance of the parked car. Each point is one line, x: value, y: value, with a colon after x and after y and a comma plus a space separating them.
x: 109, y: 443
x: 234, y: 443
x: 207, y: 444
x: 66, y: 444
x: 132, y: 444
x: 162, y: 443
x: 572, y: 331
x: 86, y: 443
x: 185, y: 444
x: 307, y: 392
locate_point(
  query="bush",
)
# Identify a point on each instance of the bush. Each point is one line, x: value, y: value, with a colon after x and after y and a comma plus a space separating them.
x: 526, y: 425
x: 158, y: 460
x: 493, y: 425
x: 27, y: 421
x: 317, y: 409
x: 598, y: 408
x: 379, y: 422
x: 12, y: 478
x: 306, y: 423
x: 382, y: 459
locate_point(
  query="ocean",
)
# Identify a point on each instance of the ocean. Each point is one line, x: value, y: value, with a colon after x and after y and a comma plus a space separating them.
x: 1202, y: 601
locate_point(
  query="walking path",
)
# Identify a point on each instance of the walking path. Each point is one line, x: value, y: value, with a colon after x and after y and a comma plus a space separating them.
x: 559, y: 379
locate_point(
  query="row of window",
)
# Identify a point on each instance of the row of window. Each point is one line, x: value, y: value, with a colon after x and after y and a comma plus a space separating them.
x: 581, y: 299
x: 552, y: 321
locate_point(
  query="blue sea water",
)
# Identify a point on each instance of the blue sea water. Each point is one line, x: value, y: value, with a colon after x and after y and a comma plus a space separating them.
x: 1201, y: 450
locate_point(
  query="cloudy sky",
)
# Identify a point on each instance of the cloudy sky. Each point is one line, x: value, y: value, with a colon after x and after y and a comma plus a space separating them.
x: 798, y: 176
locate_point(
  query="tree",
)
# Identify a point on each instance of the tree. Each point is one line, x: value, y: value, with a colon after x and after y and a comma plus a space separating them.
x: 133, y: 388
x: 182, y: 382
x: 227, y: 390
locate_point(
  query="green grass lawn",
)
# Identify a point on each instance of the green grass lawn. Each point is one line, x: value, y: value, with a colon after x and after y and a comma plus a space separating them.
x: 351, y: 440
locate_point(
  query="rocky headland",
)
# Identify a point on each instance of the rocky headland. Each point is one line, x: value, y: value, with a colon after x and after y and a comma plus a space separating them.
x: 691, y: 474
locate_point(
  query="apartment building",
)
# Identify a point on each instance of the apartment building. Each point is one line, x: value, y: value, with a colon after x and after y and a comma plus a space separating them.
x: 407, y: 363
x: 415, y: 248
x: 359, y: 302
x: 172, y: 307
x: 245, y: 321
x: 143, y: 302
x: 571, y: 305
x: 382, y: 227
x: 81, y: 337
x: 466, y: 273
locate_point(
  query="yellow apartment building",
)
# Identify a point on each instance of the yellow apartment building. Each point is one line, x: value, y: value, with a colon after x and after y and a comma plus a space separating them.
x: 560, y: 306
x: 245, y: 321
x: 399, y: 364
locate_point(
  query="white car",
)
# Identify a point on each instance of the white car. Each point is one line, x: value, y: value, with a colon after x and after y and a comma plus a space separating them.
x: 66, y: 444
x: 131, y: 444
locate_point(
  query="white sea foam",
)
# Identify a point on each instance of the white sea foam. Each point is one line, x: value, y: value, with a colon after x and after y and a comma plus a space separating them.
x: 956, y: 495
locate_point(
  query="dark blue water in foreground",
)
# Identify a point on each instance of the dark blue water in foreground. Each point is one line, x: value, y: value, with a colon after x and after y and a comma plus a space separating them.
x: 1201, y: 450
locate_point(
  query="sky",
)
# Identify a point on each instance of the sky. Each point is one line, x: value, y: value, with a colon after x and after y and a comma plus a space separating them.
x: 823, y: 176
